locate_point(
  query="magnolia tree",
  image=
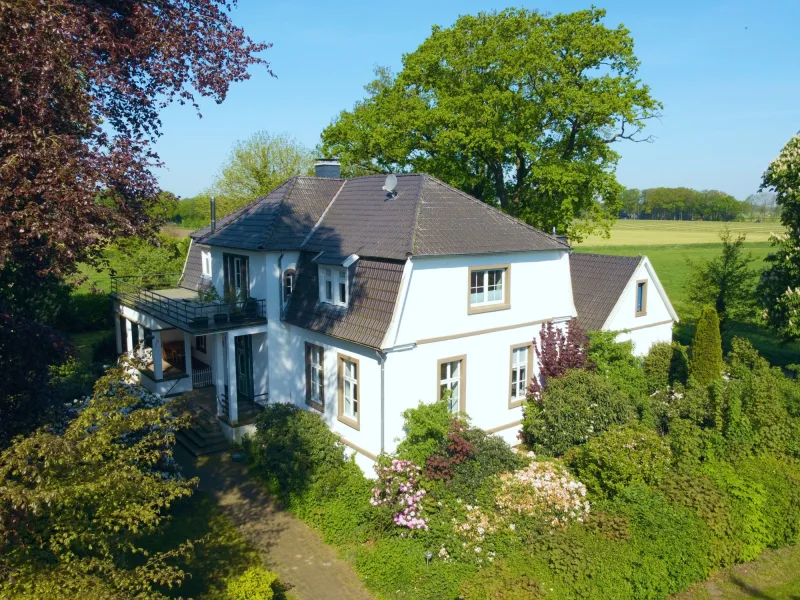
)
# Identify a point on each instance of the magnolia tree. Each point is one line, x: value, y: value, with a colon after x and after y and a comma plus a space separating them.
x: 779, y: 288
x: 75, y: 503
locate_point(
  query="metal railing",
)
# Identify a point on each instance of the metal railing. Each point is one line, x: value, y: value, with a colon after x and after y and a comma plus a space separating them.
x: 201, y: 377
x: 193, y: 315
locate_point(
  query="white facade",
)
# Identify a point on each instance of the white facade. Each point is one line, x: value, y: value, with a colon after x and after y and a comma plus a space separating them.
x: 432, y: 322
x: 655, y: 325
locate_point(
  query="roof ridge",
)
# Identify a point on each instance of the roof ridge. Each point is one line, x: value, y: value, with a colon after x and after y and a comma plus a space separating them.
x: 638, y: 257
x: 412, y: 242
x: 494, y: 208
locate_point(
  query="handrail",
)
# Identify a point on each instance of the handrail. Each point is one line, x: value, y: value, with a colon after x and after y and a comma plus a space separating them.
x: 191, y: 315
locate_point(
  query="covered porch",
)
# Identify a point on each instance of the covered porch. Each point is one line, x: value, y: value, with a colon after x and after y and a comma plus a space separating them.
x: 225, y: 371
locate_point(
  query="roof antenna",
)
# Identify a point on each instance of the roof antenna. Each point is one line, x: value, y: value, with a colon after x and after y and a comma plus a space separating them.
x: 390, y: 185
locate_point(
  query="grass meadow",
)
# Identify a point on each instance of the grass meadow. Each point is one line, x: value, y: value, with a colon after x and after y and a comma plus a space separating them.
x: 633, y: 232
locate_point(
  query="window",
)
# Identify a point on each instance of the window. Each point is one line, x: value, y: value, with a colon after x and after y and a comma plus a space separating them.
x: 488, y: 289
x: 641, y: 298
x: 334, y: 286
x: 206, y: 263
x: 288, y: 284
x: 521, y: 373
x: 315, y: 376
x: 235, y: 270
x: 200, y: 343
x: 451, y: 378
x: 349, y: 389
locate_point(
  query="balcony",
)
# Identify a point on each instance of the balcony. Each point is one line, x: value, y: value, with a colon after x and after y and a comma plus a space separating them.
x: 160, y: 297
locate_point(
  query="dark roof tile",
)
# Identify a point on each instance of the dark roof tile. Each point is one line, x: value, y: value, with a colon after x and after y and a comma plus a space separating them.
x: 598, y: 281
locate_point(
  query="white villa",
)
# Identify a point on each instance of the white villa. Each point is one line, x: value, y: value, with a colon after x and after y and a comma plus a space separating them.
x: 344, y: 298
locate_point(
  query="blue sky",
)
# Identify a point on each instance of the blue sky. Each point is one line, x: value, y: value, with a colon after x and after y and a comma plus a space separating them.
x: 727, y: 73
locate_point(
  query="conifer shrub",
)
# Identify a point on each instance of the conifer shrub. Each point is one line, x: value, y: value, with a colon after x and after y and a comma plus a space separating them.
x: 575, y: 407
x: 705, y: 365
x: 426, y: 428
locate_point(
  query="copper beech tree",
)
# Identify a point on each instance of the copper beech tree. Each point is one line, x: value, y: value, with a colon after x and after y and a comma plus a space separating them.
x: 81, y: 86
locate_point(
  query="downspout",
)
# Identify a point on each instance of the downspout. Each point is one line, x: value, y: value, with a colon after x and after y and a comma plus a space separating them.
x: 280, y: 284
x: 382, y: 359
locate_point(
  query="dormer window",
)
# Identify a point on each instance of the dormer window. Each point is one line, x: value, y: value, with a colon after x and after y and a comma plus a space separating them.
x: 333, y: 285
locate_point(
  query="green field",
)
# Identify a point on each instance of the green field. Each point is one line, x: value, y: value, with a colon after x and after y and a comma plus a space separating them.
x: 629, y: 232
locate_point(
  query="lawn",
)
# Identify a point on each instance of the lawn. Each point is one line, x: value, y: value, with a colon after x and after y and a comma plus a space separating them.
x: 774, y: 576
x: 630, y: 232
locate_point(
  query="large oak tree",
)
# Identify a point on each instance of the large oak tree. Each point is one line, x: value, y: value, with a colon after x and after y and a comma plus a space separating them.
x: 515, y: 107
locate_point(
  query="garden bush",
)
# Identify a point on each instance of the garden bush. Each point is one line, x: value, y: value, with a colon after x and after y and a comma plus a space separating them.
x: 291, y: 448
x: 256, y: 583
x: 425, y: 430
x: 84, y: 311
x: 665, y: 364
x: 620, y: 456
x: 574, y: 408
x: 615, y: 361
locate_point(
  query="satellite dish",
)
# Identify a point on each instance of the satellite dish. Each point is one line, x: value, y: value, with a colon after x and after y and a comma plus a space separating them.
x: 390, y: 184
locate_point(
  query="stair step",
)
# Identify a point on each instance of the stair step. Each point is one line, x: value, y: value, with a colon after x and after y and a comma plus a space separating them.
x: 197, y: 450
x: 203, y: 440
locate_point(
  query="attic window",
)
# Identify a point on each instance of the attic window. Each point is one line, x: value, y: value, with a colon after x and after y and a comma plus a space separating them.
x: 334, y: 287
x: 641, y: 298
x: 206, y: 263
x: 288, y: 284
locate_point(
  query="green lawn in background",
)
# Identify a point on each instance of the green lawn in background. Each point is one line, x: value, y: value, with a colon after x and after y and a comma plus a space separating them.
x: 84, y: 343
x: 671, y: 263
x: 774, y: 576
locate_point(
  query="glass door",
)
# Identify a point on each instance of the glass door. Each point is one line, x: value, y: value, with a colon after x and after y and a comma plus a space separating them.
x: 244, y: 368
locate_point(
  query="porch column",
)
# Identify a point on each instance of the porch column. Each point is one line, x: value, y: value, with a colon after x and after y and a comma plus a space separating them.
x: 233, y: 404
x: 129, y: 336
x: 218, y: 366
x: 118, y: 332
x: 158, y: 365
x: 139, y: 345
x: 187, y: 351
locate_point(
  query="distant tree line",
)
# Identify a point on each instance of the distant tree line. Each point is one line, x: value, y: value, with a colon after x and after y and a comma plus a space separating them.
x: 687, y: 204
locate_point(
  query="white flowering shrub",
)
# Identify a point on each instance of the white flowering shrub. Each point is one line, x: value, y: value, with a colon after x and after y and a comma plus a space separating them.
x: 544, y: 491
x: 397, y: 488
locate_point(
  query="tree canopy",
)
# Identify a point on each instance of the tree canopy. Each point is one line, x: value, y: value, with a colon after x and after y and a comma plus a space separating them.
x: 517, y: 108
x: 779, y: 288
x: 255, y: 167
x: 81, y: 87
x: 681, y: 203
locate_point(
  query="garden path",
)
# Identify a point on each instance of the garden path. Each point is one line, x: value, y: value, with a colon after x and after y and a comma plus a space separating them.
x: 305, y: 564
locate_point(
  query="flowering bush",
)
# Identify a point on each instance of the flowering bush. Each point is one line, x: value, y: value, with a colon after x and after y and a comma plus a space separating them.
x: 544, y: 491
x: 397, y: 489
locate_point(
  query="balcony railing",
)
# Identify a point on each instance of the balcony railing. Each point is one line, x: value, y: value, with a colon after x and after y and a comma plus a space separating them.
x: 152, y: 294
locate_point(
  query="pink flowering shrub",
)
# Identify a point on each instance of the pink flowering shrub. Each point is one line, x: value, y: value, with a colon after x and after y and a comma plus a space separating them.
x: 397, y: 489
x: 544, y: 491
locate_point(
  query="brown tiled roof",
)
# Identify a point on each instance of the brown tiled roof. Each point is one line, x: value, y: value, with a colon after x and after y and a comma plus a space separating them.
x: 426, y: 217
x: 598, y: 280
x: 281, y: 220
x: 373, y: 293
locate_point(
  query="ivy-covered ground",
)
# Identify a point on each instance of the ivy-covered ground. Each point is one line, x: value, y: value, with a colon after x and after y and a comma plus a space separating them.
x: 637, y: 480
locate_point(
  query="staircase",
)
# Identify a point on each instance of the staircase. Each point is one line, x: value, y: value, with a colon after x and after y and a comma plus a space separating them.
x: 204, y: 434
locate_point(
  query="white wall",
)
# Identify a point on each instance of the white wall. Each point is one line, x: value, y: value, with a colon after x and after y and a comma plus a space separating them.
x: 257, y: 266
x: 645, y: 330
x: 436, y: 301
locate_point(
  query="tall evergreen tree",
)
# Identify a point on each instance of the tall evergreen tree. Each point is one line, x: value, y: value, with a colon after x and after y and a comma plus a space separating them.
x: 706, y: 362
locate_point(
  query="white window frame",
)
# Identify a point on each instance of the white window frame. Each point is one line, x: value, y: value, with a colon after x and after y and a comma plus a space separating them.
x: 286, y: 291
x: 206, y: 260
x: 316, y: 353
x: 450, y: 381
x: 350, y: 401
x: 336, y: 280
x: 520, y: 374
x: 478, y: 283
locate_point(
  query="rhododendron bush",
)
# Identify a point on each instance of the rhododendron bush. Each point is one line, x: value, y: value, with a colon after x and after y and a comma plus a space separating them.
x: 397, y: 488
x: 544, y: 491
